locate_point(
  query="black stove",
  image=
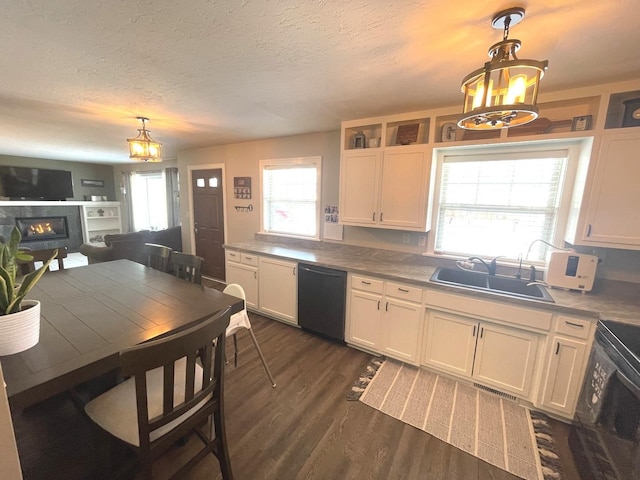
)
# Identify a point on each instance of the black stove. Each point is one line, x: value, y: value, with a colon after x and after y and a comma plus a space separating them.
x: 606, y: 437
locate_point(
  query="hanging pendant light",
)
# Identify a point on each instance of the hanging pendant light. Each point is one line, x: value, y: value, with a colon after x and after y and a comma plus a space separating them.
x: 143, y: 147
x: 504, y: 92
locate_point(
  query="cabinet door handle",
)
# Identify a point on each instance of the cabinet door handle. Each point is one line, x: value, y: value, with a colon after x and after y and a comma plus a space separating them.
x: 577, y: 325
x: 365, y: 283
x: 403, y: 290
x: 248, y: 257
x: 255, y: 274
x: 381, y: 214
x: 195, y: 228
x: 386, y: 307
x: 294, y: 271
x: 374, y: 216
x: 481, y: 332
x: 588, y: 230
x: 557, y: 347
x: 474, y: 331
x: 378, y: 304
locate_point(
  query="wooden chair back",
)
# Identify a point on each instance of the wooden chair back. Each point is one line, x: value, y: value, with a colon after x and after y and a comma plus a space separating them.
x: 157, y: 256
x: 42, y: 256
x: 206, y: 340
x: 187, y: 267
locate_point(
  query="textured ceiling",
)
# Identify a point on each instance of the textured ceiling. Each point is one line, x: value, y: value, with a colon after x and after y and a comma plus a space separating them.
x: 76, y: 73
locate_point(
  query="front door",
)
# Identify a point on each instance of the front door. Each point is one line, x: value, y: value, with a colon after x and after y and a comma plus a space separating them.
x: 208, y: 219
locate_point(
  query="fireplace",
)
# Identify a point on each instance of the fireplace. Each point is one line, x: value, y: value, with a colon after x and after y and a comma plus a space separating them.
x: 42, y: 228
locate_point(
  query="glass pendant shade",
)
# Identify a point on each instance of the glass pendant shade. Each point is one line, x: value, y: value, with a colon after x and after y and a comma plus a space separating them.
x: 503, y: 93
x: 143, y: 147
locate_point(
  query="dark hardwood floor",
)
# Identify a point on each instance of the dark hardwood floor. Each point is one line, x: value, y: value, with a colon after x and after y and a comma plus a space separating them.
x: 302, y: 429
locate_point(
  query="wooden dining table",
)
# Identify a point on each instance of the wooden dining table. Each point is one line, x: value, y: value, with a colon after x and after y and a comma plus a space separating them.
x: 89, y: 314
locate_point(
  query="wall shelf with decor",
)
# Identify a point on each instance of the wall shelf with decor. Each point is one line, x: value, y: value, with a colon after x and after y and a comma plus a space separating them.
x: 100, y: 219
x: 414, y: 131
x: 370, y: 131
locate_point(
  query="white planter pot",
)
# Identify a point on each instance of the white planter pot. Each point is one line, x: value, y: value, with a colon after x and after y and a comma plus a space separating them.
x: 20, y: 331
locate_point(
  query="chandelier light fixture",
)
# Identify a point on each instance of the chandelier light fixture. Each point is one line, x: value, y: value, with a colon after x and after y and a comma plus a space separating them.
x: 143, y: 147
x: 503, y: 93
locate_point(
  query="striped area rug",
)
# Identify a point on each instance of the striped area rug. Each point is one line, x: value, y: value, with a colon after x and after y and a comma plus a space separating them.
x: 502, y: 435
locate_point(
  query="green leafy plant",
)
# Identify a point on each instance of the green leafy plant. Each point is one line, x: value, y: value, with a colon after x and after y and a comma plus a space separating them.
x: 12, y: 294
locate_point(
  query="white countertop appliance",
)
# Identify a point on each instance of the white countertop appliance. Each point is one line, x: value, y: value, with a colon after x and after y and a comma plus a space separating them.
x: 571, y: 270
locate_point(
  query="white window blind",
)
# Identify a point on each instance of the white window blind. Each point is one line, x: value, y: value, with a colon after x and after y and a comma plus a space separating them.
x: 290, y: 199
x: 499, y: 204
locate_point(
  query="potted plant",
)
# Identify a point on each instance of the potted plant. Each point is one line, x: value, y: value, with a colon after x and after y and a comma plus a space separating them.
x: 19, y: 318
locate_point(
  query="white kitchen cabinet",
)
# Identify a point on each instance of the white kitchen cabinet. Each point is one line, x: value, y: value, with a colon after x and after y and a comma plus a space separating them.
x: 385, y: 317
x: 278, y: 289
x: 386, y: 188
x: 359, y: 178
x: 566, y: 365
x: 505, y: 358
x: 241, y: 268
x: 100, y: 219
x: 493, y: 355
x: 364, y: 316
x: 450, y: 342
x: 609, y: 213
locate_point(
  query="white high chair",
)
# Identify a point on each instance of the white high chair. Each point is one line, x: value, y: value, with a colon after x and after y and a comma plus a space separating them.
x: 239, y: 321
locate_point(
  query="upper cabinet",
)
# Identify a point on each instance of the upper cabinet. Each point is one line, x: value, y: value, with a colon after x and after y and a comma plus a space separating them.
x: 385, y: 173
x: 609, y: 213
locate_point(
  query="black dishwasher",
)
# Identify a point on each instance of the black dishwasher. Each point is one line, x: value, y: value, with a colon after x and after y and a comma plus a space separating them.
x: 321, y: 300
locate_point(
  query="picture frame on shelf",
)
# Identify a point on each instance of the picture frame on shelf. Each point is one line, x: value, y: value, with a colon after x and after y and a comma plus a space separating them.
x: 407, y: 134
x: 581, y: 123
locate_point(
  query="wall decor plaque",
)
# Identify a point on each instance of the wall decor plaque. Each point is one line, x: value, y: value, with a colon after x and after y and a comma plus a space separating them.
x: 407, y: 134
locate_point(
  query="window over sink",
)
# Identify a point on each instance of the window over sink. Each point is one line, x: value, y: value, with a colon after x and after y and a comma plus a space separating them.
x: 497, y: 200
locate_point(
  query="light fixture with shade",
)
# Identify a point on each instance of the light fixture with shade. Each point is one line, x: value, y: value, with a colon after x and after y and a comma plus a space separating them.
x: 503, y: 93
x: 143, y: 147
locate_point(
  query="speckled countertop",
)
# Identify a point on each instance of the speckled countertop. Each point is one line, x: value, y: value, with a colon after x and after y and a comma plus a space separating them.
x: 609, y: 300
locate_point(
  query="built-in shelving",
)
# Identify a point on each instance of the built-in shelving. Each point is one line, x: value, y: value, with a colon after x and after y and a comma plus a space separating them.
x: 100, y: 219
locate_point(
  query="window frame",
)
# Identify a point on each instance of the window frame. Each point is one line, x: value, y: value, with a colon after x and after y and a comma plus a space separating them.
x: 293, y: 162
x: 577, y: 151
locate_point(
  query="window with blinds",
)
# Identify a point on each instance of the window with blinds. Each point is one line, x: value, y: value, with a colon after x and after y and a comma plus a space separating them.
x: 498, y: 204
x: 291, y: 196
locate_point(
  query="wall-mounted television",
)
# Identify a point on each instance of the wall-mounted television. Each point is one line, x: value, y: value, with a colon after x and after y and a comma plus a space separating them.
x: 23, y: 183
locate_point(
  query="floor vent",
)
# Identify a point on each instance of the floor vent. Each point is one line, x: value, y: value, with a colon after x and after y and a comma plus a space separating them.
x: 495, y: 392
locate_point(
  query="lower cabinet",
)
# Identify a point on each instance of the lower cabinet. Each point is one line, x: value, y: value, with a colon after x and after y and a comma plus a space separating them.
x: 493, y: 355
x: 278, y: 289
x: 566, y: 365
x: 242, y: 268
x: 385, y: 317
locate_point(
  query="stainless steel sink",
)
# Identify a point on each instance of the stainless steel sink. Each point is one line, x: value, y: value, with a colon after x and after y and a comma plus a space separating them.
x: 499, y: 284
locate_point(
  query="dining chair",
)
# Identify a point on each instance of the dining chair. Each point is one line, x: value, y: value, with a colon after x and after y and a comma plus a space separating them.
x: 157, y: 256
x: 187, y: 267
x: 42, y: 256
x: 168, y: 396
x: 239, y: 321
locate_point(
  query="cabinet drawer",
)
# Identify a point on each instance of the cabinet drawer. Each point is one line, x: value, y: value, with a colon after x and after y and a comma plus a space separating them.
x: 249, y: 259
x: 574, y: 327
x: 405, y: 292
x: 367, y: 284
x: 232, y: 256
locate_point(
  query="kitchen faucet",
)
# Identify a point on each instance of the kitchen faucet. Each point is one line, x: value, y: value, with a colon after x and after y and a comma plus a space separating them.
x: 491, y: 266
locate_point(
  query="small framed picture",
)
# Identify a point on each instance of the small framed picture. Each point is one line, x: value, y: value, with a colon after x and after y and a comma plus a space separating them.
x: 580, y: 124
x: 90, y: 182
